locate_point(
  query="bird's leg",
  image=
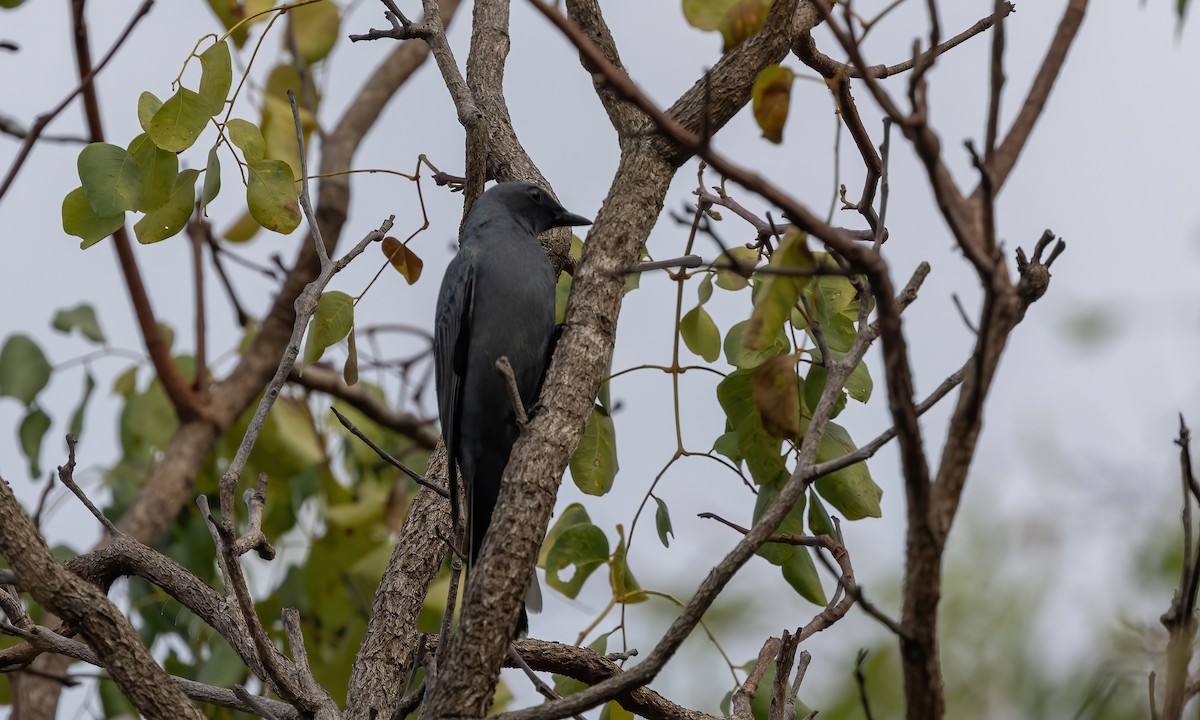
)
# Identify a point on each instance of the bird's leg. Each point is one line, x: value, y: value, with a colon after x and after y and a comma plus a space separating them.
x: 514, y: 394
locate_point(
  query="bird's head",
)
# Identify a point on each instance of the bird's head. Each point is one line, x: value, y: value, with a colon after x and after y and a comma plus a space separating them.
x: 528, y: 204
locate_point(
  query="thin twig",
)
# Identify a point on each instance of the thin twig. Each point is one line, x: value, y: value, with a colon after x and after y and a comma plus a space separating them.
x: 860, y: 678
x: 254, y: 538
x: 504, y: 367
x: 387, y: 457
x: 66, y: 475
x: 801, y: 670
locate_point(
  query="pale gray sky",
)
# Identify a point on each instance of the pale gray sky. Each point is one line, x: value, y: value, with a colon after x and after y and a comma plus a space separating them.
x: 1076, y: 457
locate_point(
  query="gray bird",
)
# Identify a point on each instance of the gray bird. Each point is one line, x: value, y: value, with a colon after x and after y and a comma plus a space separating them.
x: 497, y: 299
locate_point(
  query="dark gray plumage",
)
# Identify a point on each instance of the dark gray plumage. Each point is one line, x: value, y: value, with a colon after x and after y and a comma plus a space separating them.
x: 497, y: 299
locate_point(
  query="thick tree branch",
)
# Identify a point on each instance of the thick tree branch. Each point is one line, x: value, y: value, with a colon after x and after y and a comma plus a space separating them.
x: 633, y: 204
x: 104, y: 626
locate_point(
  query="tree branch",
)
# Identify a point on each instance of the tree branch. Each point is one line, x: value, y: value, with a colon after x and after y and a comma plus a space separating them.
x: 104, y: 626
x: 323, y: 380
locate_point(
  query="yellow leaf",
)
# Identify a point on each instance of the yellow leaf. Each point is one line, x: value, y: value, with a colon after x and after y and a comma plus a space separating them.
x: 771, y: 97
x: 780, y: 291
x: 403, y: 259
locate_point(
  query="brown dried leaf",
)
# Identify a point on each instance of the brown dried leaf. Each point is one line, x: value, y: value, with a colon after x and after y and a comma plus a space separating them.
x: 776, y: 393
x: 403, y: 259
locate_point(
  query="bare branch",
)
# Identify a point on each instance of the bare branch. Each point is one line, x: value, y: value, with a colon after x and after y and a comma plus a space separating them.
x: 504, y: 367
x: 387, y: 457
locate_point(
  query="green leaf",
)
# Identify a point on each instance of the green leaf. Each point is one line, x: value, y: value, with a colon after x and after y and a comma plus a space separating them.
x: 814, y: 385
x: 662, y: 521
x: 159, y: 170
x: 705, y: 289
x: 24, y: 370
x: 734, y: 393
x: 77, y: 417
x: 779, y: 293
x: 316, y: 30
x: 754, y: 444
x: 613, y: 711
x: 760, y: 450
x: 80, y: 220
x: 706, y: 14
x: 278, y: 124
x: 819, y: 522
x: 801, y: 574
x: 403, y: 259
x: 33, y: 429
x: 735, y: 19
x: 216, y: 76
x: 625, y: 587
x: 273, y: 196
x: 111, y: 178
x: 793, y: 522
x: 178, y: 123
x: 770, y: 98
x: 331, y: 322
x: 745, y: 358
x: 169, y: 219
x: 594, y: 464
x: 212, y: 180
x: 148, y: 104
x: 350, y: 369
x: 247, y: 137
x: 728, y: 446
x: 242, y: 229
x: 574, y: 514
x: 835, y: 305
x: 232, y: 12
x: 700, y: 333
x: 743, y: 20
x: 82, y: 317
x: 851, y: 490
x: 734, y: 266
x: 859, y: 385
x: 126, y: 382
x: 583, y: 546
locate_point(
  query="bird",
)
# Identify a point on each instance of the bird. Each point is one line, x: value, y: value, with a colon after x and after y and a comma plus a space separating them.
x: 496, y: 300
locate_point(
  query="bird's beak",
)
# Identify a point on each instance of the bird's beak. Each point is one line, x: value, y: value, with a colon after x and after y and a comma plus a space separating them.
x: 569, y: 219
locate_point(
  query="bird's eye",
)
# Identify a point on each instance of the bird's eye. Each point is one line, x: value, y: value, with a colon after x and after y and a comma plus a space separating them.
x: 535, y: 194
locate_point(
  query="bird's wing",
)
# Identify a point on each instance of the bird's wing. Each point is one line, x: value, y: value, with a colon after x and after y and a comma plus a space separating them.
x: 452, y: 333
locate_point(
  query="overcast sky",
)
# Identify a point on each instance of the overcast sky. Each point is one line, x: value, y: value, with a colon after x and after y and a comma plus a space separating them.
x: 1077, y: 444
